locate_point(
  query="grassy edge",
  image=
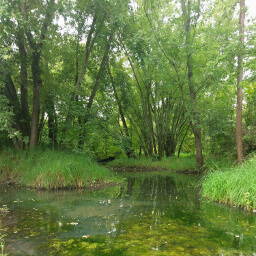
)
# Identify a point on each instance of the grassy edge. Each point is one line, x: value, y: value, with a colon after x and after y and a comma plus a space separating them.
x: 234, y: 186
x: 51, y: 169
x: 185, y: 164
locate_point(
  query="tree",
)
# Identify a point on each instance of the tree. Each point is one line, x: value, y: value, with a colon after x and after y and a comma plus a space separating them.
x: 27, y: 23
x: 239, y: 106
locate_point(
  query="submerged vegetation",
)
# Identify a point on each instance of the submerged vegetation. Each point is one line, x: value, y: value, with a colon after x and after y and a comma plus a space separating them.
x: 235, y: 186
x: 48, y: 169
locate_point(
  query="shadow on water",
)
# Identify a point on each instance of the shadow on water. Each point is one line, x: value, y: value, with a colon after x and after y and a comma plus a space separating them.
x: 151, y: 214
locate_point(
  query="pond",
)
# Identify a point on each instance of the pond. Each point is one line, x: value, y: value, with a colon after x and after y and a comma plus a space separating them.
x: 151, y: 214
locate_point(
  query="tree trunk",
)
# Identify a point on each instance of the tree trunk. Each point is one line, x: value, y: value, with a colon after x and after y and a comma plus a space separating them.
x: 195, y: 120
x: 18, y: 124
x: 88, y: 47
x: 181, y: 143
x: 239, y: 106
x: 24, y: 81
x: 36, y: 99
x: 130, y: 151
x: 94, y: 91
x: 149, y: 119
x: 146, y: 120
x: 171, y: 144
x: 36, y: 46
x: 52, y: 122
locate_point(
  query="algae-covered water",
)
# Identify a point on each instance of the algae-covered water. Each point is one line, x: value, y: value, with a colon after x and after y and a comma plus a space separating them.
x: 151, y: 214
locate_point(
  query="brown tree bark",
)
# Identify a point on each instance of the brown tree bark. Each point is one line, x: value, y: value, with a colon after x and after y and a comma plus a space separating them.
x: 239, y: 105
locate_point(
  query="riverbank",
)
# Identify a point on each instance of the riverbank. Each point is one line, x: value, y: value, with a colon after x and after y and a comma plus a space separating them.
x: 186, y: 164
x: 233, y: 186
x: 49, y: 169
x: 53, y: 169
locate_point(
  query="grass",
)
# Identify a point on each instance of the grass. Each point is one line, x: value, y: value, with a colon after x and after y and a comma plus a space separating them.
x: 235, y: 186
x: 170, y: 163
x: 48, y: 169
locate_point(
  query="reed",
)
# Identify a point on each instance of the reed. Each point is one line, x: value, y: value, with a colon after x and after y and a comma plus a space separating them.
x: 235, y: 186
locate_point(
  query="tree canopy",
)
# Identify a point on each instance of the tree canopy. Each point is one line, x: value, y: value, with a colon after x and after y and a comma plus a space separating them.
x: 109, y: 78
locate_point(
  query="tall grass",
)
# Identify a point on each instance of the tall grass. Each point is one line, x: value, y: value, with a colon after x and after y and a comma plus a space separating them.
x: 235, y: 186
x: 170, y: 163
x: 50, y: 169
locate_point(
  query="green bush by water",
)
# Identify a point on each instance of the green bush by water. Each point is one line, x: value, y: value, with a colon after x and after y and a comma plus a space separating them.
x: 235, y: 186
x: 50, y: 169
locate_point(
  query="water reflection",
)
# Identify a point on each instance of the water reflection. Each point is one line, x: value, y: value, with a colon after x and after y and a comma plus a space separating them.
x: 151, y: 214
x: 163, y: 195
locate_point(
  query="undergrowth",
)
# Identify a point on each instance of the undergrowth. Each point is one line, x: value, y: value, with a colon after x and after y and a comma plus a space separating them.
x: 235, y: 186
x: 48, y: 169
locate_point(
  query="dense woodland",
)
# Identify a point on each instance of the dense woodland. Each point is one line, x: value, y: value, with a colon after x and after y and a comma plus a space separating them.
x: 130, y: 77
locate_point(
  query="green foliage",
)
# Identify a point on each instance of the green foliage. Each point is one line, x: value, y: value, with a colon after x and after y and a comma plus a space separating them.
x: 235, y: 186
x: 6, y: 122
x: 148, y: 62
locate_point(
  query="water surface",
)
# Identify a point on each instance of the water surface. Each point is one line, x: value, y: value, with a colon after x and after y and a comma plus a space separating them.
x: 151, y: 214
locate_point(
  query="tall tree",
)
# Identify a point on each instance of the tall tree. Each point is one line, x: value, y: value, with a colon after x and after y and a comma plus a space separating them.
x: 36, y: 42
x: 239, y: 106
x: 27, y: 24
x: 189, y: 37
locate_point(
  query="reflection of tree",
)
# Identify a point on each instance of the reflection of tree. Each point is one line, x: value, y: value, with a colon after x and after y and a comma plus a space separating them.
x: 158, y: 189
x: 1, y: 240
x: 159, y: 195
x: 130, y: 183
